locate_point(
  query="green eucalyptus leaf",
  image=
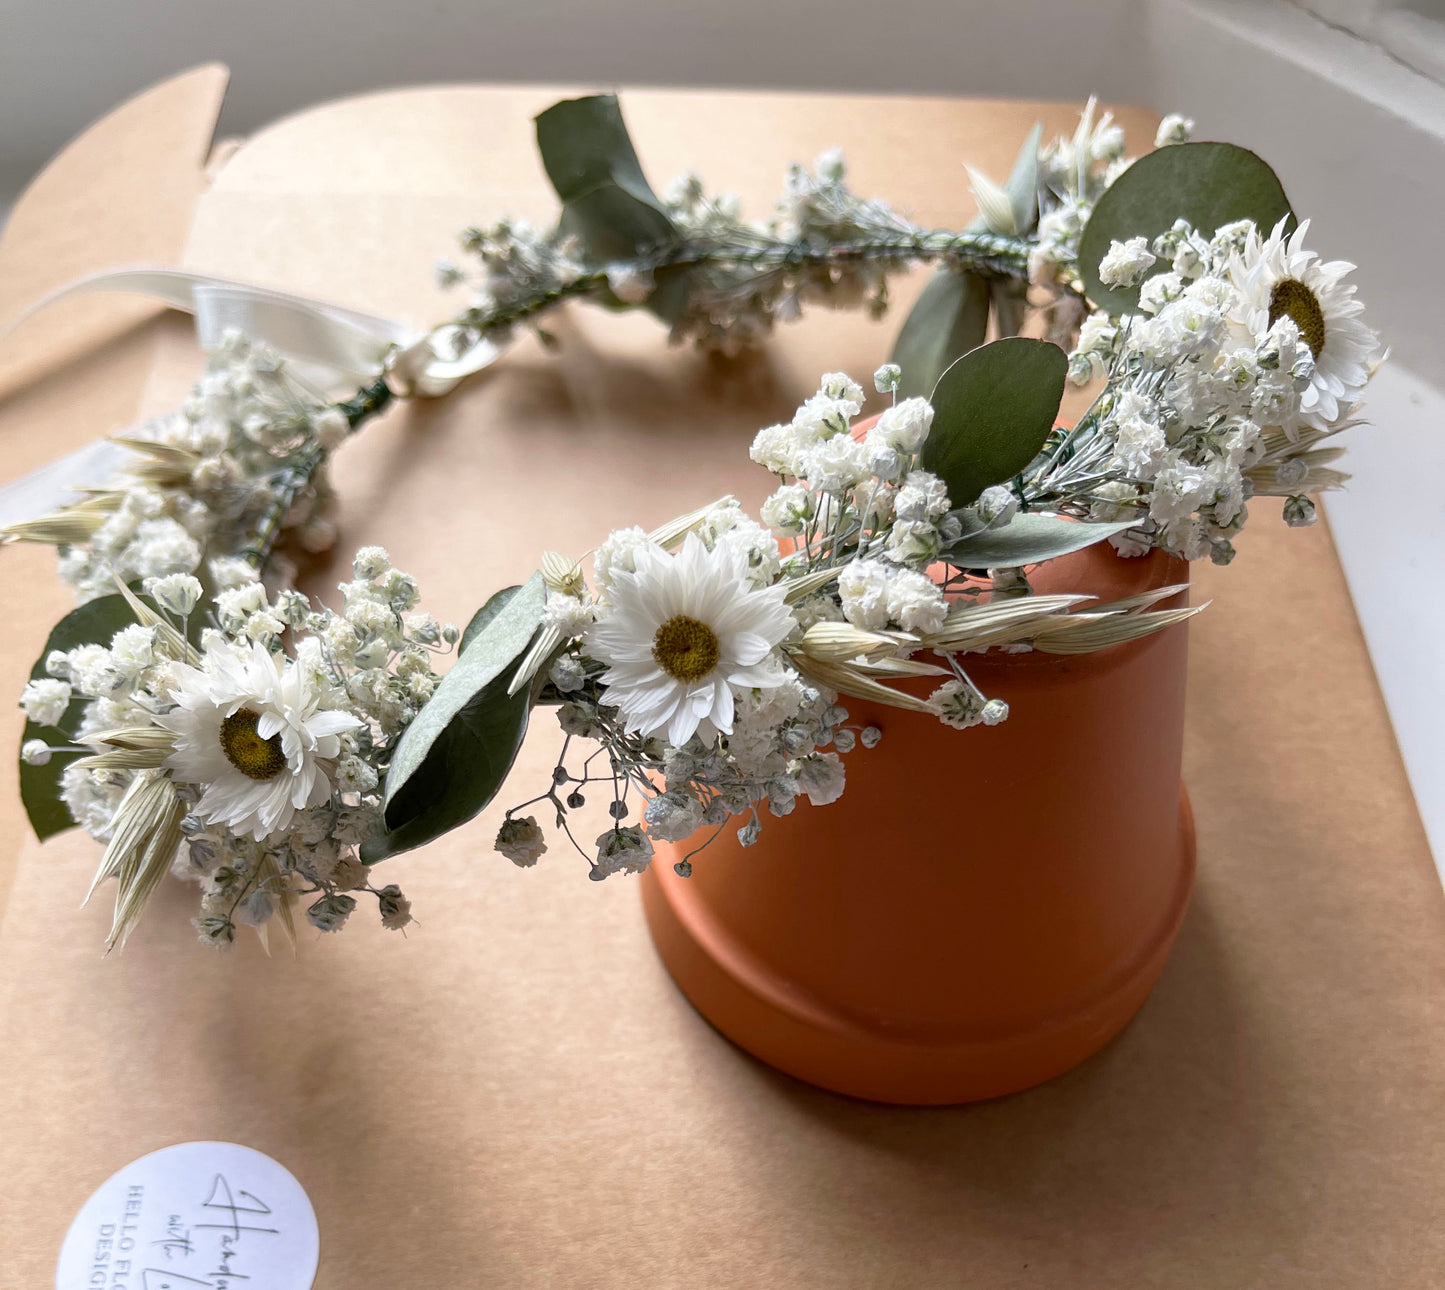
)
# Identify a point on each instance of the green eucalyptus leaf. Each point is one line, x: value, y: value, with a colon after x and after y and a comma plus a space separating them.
x: 950, y: 318
x: 1208, y: 184
x: 93, y: 623
x: 992, y: 411
x: 484, y: 616
x: 455, y: 755
x: 607, y: 202
x: 1028, y: 539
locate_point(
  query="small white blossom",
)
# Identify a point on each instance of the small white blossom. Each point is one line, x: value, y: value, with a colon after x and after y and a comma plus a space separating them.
x: 371, y: 562
x: 674, y: 815
x: 915, y: 602
x: 775, y: 449
x: 521, y: 841
x: 567, y: 674
x: 622, y: 850
x: 839, y: 385
x: 958, y: 704
x: 355, y: 776
x: 835, y: 465
x: 329, y: 914
x: 1173, y: 129
x: 395, y: 909
x: 1299, y: 512
x: 997, y: 505
x: 618, y: 554
x: 789, y: 509
x: 45, y: 701
x: 820, y: 776
x: 132, y: 650
x: 176, y: 593
x: 923, y: 496
x: 904, y: 426
x: 570, y: 615
x: 1126, y: 263
x: 863, y: 590
x: 912, y: 542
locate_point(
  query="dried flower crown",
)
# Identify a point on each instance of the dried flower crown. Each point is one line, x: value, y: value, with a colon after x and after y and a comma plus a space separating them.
x: 195, y: 714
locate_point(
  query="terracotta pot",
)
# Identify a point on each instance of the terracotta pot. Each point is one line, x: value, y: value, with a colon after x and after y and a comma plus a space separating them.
x: 982, y: 909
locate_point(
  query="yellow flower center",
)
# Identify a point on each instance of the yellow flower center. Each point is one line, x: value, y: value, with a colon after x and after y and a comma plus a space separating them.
x: 1291, y: 296
x: 685, y: 648
x: 250, y: 754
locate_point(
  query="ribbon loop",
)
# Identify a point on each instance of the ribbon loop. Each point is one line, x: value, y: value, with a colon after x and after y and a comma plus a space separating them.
x: 342, y: 346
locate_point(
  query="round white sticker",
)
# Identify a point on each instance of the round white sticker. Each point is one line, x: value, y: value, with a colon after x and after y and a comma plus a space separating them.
x: 208, y: 1215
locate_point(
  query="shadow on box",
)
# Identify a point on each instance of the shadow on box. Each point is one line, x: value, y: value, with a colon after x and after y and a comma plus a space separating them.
x: 1175, y: 1106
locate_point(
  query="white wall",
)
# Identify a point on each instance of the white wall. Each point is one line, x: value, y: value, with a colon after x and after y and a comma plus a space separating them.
x: 64, y: 62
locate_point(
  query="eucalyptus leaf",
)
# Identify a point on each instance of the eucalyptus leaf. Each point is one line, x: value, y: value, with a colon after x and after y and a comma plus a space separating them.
x: 1208, y: 184
x: 607, y: 202
x: 1028, y: 539
x: 950, y: 318
x: 484, y: 615
x: 455, y: 755
x: 93, y: 623
x: 992, y: 411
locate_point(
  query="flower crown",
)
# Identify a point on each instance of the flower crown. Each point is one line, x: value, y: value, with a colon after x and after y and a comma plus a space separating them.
x: 196, y: 714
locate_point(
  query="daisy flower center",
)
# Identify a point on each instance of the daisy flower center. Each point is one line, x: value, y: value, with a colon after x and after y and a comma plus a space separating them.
x: 685, y: 648
x: 253, y: 756
x: 1291, y: 296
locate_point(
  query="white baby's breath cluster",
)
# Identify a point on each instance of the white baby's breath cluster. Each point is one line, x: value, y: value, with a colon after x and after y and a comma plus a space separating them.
x: 1245, y: 354
x: 202, y: 478
x: 249, y: 761
x: 709, y: 659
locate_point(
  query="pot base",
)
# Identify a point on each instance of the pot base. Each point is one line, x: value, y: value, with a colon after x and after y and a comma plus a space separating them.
x: 822, y: 1043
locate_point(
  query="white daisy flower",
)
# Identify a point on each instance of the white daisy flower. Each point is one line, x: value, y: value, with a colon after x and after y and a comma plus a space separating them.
x: 684, y: 632
x: 1276, y: 277
x: 251, y: 730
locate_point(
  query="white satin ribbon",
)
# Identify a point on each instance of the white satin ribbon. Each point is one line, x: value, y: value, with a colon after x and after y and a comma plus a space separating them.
x: 351, y: 347
x: 336, y: 348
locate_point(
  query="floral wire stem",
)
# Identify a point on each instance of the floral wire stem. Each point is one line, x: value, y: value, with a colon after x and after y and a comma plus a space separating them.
x: 298, y: 473
x: 989, y: 254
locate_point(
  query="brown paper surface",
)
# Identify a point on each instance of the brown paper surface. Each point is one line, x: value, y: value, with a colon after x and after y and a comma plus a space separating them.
x: 513, y: 1094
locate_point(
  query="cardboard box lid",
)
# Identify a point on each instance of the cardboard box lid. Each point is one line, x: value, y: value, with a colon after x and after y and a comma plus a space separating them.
x: 514, y: 1095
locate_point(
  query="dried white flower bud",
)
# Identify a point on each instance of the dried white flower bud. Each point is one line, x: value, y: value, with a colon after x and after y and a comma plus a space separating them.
x: 521, y: 841
x: 1173, y: 129
x: 1299, y: 512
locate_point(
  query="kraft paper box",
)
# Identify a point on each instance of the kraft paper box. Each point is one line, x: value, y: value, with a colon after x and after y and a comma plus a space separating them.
x: 513, y: 1094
